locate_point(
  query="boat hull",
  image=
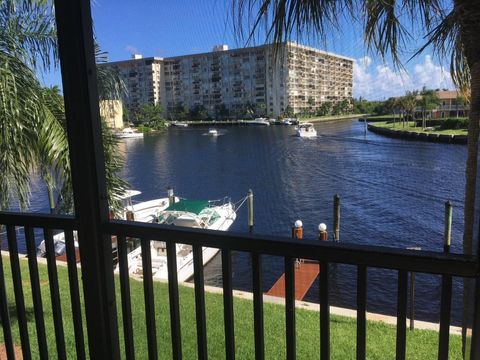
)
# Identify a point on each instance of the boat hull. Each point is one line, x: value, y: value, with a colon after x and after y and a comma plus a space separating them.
x: 185, y: 266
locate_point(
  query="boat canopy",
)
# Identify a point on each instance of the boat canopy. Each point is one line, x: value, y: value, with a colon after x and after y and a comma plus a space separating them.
x: 191, y: 206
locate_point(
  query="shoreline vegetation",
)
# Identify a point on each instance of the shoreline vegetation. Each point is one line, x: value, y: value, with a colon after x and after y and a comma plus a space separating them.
x: 146, y: 129
x: 421, y: 344
x: 410, y: 130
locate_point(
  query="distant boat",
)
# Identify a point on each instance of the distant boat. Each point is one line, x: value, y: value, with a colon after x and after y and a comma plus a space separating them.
x: 290, y: 121
x: 179, y: 124
x: 128, y: 133
x: 257, y: 121
x: 201, y: 214
x: 306, y: 130
x: 213, y: 132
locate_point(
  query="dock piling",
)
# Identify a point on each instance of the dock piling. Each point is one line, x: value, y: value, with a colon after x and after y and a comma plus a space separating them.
x: 171, y: 196
x: 297, y: 233
x: 336, y: 218
x: 448, y: 226
x: 297, y: 230
x: 250, y: 210
x: 322, y: 232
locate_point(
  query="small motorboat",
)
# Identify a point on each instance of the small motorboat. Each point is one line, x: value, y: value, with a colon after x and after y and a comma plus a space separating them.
x: 257, y: 121
x: 128, y: 133
x: 306, y: 130
x: 213, y: 132
x: 179, y: 124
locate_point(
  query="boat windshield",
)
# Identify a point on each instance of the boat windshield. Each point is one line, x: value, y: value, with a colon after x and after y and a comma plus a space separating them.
x: 205, y: 218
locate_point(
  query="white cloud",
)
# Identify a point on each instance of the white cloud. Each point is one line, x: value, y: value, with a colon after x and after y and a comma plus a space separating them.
x: 381, y: 81
x: 132, y: 49
x: 431, y: 75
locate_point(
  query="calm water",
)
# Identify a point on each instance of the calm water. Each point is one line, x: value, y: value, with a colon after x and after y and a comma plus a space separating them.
x: 392, y: 192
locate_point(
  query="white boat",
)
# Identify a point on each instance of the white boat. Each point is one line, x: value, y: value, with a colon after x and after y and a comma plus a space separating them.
x: 128, y: 133
x: 306, y: 130
x: 257, y: 121
x: 290, y: 121
x: 179, y: 124
x: 146, y: 211
x: 213, y: 132
x: 58, y: 244
x: 199, y: 214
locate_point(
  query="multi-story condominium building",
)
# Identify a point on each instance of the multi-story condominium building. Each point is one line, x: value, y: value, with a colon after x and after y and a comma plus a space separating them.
x: 234, y: 82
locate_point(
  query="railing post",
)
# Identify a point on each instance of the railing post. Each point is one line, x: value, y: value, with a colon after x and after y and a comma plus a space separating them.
x: 77, y: 60
x: 475, y: 335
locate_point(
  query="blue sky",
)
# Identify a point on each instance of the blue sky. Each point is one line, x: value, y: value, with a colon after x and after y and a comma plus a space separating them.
x: 168, y: 27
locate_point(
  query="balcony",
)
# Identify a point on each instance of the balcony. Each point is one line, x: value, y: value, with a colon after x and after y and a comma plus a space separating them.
x: 93, y: 301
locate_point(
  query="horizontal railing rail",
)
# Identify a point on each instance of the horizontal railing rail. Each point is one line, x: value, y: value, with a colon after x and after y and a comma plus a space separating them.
x: 363, y: 257
x: 372, y: 256
x: 65, y: 222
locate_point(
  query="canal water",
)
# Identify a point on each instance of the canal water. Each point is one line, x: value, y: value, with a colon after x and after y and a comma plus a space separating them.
x: 392, y: 193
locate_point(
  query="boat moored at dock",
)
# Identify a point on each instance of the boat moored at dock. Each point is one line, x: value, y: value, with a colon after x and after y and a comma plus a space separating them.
x: 179, y: 124
x: 128, y: 133
x: 257, y: 121
x: 145, y: 211
x: 201, y: 214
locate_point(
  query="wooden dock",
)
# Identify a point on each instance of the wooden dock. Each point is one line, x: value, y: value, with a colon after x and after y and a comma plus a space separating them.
x: 305, y: 275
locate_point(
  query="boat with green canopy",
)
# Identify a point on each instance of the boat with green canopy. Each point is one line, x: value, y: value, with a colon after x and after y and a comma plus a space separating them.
x: 203, y: 214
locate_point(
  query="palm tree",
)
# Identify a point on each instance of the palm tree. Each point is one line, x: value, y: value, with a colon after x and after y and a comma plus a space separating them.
x: 429, y: 100
x: 27, y: 44
x: 449, y: 28
x: 32, y: 126
x: 409, y: 104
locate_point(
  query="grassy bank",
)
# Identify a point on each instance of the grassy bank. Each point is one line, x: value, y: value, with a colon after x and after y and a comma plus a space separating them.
x: 410, y: 126
x: 421, y: 344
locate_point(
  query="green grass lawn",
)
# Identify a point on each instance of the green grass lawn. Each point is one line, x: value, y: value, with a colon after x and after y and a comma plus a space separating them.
x: 380, y: 338
x: 385, y: 116
x: 410, y: 126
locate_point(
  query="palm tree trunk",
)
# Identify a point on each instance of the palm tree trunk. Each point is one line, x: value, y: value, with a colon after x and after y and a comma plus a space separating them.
x: 470, y: 193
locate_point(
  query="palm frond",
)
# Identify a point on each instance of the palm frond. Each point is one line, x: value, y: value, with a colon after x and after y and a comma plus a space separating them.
x: 27, y: 30
x: 20, y: 109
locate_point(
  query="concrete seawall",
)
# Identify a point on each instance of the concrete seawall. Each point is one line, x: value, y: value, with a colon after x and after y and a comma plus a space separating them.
x: 419, y: 136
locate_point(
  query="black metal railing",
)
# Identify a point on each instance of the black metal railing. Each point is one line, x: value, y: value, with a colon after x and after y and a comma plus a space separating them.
x: 363, y: 257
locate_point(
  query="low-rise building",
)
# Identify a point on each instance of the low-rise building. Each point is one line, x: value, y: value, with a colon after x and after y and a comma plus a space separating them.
x: 112, y: 112
x: 452, y: 104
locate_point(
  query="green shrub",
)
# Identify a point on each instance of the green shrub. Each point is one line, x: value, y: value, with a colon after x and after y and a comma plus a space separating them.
x: 144, y: 129
x: 453, y: 124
